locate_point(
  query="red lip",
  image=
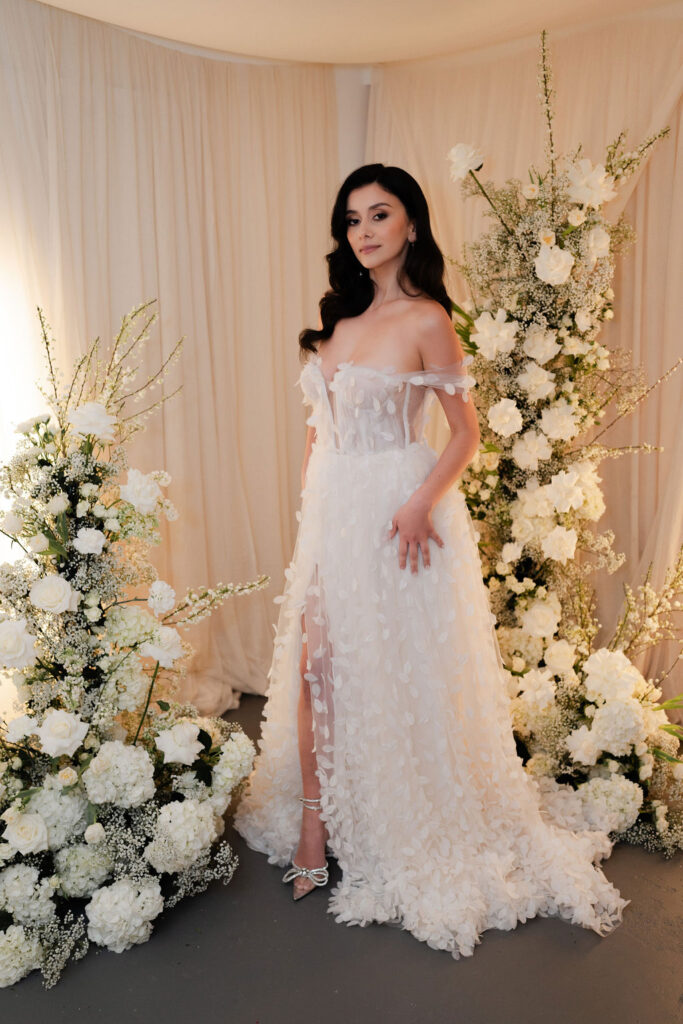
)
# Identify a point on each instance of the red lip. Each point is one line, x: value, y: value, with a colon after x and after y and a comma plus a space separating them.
x: 369, y: 248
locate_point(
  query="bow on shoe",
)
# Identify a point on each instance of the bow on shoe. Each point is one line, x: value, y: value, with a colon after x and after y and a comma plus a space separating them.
x: 317, y: 875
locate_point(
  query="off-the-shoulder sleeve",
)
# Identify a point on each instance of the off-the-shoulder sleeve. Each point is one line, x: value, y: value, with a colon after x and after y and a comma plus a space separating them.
x: 452, y: 377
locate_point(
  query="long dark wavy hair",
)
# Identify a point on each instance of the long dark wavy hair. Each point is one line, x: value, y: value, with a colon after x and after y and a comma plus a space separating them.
x: 351, y: 289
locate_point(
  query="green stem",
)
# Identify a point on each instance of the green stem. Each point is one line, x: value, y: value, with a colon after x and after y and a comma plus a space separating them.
x: 149, y: 697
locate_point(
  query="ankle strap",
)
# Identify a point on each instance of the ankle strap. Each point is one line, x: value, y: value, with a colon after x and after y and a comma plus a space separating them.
x: 312, y: 803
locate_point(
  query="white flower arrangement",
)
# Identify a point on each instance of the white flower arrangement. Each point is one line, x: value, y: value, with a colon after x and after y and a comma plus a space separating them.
x: 540, y: 283
x: 107, y: 784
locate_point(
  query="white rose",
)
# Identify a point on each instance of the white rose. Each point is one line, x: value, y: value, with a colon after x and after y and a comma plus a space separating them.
x: 61, y: 732
x: 546, y: 236
x: 52, y: 593
x: 93, y: 418
x: 560, y: 656
x: 463, y: 159
x: 576, y: 216
x: 26, y: 833
x: 553, y: 264
x: 11, y: 523
x: 142, y: 491
x: 504, y: 417
x: 17, y: 646
x: 19, y: 728
x: 166, y: 649
x: 67, y: 776
x: 530, y: 191
x: 94, y: 833
x: 89, y: 541
x: 179, y: 743
x: 38, y: 543
x: 59, y: 503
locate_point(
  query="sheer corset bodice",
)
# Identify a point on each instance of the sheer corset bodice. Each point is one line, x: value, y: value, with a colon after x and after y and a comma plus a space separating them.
x: 363, y: 409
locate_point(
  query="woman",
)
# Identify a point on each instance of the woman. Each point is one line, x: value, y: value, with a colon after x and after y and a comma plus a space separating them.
x: 387, y: 731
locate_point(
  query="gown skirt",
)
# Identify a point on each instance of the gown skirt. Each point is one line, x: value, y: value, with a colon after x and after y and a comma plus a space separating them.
x: 435, y: 824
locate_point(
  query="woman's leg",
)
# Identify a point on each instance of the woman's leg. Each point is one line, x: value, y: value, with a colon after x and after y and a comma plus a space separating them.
x: 311, y: 850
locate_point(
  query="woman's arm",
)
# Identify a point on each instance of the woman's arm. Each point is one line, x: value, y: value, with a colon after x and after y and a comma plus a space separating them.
x: 310, y: 438
x: 439, y: 346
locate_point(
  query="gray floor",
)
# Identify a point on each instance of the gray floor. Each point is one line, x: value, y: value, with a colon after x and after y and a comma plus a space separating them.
x: 247, y: 954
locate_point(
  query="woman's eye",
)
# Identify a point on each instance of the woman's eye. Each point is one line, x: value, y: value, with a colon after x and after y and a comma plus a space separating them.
x: 354, y: 220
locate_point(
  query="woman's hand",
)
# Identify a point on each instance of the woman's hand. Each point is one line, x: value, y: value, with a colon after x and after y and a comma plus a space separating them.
x: 414, y: 524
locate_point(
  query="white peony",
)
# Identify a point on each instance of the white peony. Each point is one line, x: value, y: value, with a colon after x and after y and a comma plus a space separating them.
x: 553, y: 264
x: 565, y: 490
x: 590, y: 185
x: 494, y: 336
x: 52, y: 593
x: 61, y: 732
x: 142, y: 491
x: 166, y: 649
x: 161, y: 597
x: 179, y: 744
x: 542, y: 617
x: 531, y: 447
x: 25, y: 833
x: 18, y: 647
x: 540, y: 344
x: 559, y: 544
x: 93, y: 418
x: 120, y: 915
x: 558, y: 422
x: 463, y: 159
x: 89, y: 541
x: 504, y: 417
x: 537, y: 382
x: 121, y: 774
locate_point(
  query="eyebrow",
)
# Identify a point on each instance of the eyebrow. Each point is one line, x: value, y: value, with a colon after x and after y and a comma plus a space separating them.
x: 373, y: 207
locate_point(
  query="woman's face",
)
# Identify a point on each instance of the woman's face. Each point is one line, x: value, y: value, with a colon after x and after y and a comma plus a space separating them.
x: 377, y: 225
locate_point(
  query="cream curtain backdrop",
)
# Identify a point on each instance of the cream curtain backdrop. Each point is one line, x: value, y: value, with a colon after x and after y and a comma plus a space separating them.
x: 131, y: 171
x: 625, y: 73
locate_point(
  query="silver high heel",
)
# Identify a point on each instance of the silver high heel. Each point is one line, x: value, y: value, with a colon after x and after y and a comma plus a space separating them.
x: 318, y: 876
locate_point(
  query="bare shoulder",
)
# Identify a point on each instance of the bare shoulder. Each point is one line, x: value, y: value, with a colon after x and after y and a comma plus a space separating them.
x: 437, y: 340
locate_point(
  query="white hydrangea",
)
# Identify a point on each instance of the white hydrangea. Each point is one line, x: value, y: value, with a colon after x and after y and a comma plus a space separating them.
x: 82, y: 868
x: 120, y: 773
x: 127, y: 682
x: 63, y: 811
x: 616, y: 728
x: 611, y: 804
x: 185, y: 830
x: 128, y: 624
x: 610, y: 676
x: 19, y: 955
x: 120, y: 915
x: 234, y: 764
x: 23, y: 895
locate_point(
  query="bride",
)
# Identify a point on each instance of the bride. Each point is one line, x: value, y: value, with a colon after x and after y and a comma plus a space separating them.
x: 387, y: 739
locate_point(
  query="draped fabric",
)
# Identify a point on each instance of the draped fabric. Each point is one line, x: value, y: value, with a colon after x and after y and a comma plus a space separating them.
x: 625, y: 73
x: 131, y: 171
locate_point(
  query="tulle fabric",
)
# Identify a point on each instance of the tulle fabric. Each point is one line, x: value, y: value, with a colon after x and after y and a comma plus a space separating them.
x: 435, y: 824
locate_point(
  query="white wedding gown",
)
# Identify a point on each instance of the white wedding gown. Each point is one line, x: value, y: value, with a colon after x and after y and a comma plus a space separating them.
x: 434, y: 822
